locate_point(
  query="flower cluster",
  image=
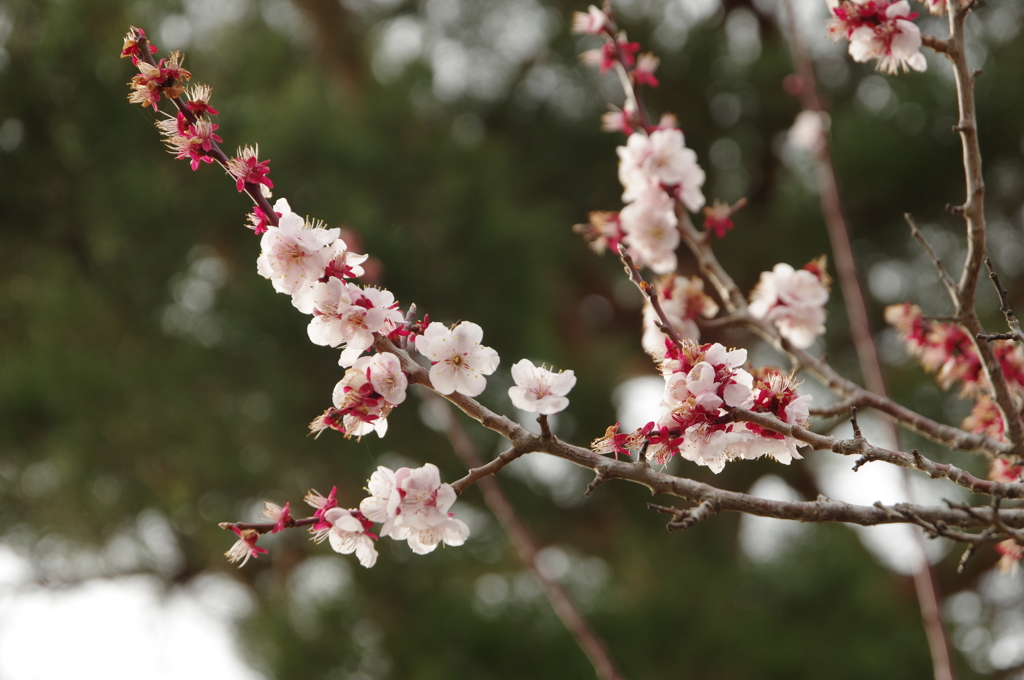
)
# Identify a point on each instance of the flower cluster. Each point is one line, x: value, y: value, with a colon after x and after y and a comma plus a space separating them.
x: 793, y: 300
x: 192, y: 140
x: 702, y: 382
x: 882, y: 30
x: 656, y: 168
x: 682, y: 300
x: 412, y: 506
x: 656, y: 171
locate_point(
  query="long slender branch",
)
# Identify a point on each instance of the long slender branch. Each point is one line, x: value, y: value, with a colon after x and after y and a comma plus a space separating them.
x: 973, y: 211
x: 480, y: 473
x: 697, y: 492
x: 860, y: 447
x: 254, y: 191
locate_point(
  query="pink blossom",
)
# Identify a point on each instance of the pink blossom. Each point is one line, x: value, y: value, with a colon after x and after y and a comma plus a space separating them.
x: 539, y: 390
x: 348, y: 535
x: 591, y: 22
x: 246, y: 168
x: 343, y: 264
x: 620, y: 120
x: 682, y: 300
x: 322, y: 505
x: 245, y: 547
x: 459, y: 361
x: 293, y: 256
x: 330, y: 302
x: 643, y: 74
x: 413, y: 506
x: 361, y: 408
x: 451, y: 531
x: 258, y: 220
x: 888, y: 35
x: 382, y: 504
x: 387, y: 378
x: 276, y: 514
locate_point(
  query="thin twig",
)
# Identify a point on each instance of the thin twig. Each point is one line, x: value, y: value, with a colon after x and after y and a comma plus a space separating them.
x: 1004, y: 307
x: 651, y: 293
x: 944, y: 276
x: 593, y: 647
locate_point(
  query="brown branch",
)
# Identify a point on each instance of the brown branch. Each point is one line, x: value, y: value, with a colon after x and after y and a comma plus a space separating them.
x: 731, y: 501
x: 935, y: 44
x: 861, y: 447
x: 486, y: 469
x: 265, y: 527
x: 698, y: 243
x: 835, y: 409
x: 973, y: 211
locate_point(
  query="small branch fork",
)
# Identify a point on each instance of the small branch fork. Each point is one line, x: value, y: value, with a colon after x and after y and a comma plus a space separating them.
x: 683, y: 519
x: 973, y: 212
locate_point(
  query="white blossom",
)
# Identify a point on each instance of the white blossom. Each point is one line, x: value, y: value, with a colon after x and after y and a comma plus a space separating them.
x: 661, y: 158
x: 460, y: 362
x: 538, y: 390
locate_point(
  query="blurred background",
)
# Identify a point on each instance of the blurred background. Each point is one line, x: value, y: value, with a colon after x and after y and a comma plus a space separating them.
x: 152, y: 385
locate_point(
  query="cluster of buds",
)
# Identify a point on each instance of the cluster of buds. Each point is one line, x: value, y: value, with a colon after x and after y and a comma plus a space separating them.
x: 166, y: 78
x: 683, y: 301
x: 947, y: 349
x: 882, y: 30
x: 1010, y: 551
x: 793, y: 300
x: 702, y: 382
x: 411, y: 505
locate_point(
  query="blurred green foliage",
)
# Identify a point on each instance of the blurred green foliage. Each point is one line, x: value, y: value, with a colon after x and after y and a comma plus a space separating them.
x: 147, y: 371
